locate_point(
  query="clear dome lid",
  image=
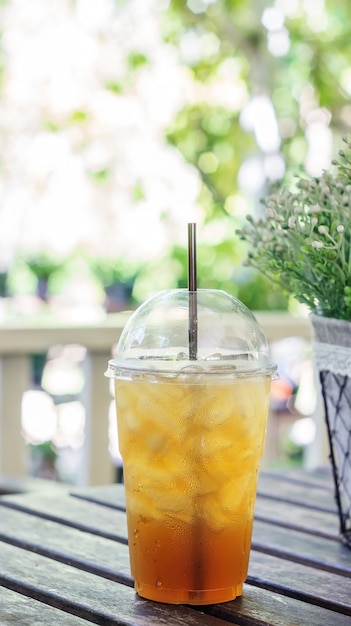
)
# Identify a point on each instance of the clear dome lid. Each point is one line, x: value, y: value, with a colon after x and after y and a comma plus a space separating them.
x: 155, y: 339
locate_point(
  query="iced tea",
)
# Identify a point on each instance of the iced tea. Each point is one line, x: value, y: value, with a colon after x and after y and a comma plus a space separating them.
x: 191, y: 451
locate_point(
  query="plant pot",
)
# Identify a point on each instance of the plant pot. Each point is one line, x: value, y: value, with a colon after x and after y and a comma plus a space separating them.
x: 118, y: 296
x: 3, y: 284
x: 332, y: 351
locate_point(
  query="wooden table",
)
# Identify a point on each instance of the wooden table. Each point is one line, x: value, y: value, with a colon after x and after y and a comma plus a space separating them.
x: 64, y: 561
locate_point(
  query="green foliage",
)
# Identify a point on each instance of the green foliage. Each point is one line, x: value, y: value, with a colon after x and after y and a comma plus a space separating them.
x: 313, y: 75
x: 78, y: 117
x: 110, y: 270
x: 138, y: 192
x: 257, y: 292
x: 43, y: 265
x: 115, y: 86
x: 45, y: 450
x: 304, y: 241
x: 223, y: 45
x: 219, y: 267
x: 136, y: 60
x: 212, y: 139
x: 51, y: 125
x: 101, y: 176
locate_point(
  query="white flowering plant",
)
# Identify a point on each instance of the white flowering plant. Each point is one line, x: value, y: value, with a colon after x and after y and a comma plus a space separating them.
x: 303, y: 243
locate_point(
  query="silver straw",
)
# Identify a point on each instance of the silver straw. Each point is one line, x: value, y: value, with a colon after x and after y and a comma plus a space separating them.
x: 192, y: 287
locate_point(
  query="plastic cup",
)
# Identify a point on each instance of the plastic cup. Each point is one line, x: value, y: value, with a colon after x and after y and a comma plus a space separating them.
x: 191, y: 436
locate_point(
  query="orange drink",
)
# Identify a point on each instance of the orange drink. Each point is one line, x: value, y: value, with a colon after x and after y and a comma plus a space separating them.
x: 191, y: 448
x: 191, y: 426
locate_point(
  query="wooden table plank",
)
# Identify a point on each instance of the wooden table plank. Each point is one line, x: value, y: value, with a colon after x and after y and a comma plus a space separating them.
x: 321, y: 476
x: 109, y: 522
x: 19, y: 610
x: 286, y: 515
x: 83, y: 550
x: 107, y: 495
x: 269, y: 608
x: 278, y: 512
x: 292, y: 578
x: 100, y: 520
x: 91, y: 597
x: 308, y: 493
x: 311, y: 487
x: 297, y: 491
x: 25, y: 529
x: 301, y: 542
x: 302, y: 548
x: 301, y: 582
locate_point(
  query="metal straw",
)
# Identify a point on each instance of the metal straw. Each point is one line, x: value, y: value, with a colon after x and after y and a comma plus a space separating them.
x: 192, y: 287
x: 198, y: 557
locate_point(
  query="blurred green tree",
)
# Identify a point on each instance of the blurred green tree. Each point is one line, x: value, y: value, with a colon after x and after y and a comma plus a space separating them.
x: 244, y: 56
x: 165, y: 109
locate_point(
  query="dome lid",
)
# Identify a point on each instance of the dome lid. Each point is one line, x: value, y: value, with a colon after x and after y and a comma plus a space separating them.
x: 155, y: 339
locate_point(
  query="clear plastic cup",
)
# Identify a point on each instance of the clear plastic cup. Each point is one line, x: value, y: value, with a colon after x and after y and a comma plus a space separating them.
x: 191, y: 435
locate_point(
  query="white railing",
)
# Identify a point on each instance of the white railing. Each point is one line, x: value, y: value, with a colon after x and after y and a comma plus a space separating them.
x: 22, y: 337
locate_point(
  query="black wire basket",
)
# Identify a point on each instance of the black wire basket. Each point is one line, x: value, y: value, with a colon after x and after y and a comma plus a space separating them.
x: 336, y: 392
x: 332, y: 348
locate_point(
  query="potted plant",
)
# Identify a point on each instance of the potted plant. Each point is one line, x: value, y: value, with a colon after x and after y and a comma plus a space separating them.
x: 43, y: 266
x: 303, y: 243
x: 116, y: 277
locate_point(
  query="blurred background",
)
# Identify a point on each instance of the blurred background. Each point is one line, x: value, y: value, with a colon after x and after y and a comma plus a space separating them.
x: 121, y: 121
